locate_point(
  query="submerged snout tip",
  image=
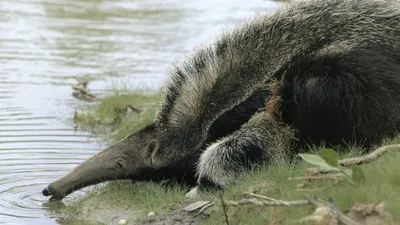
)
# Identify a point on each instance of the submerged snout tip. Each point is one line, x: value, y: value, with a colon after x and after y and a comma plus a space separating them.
x: 46, y: 191
x: 50, y: 191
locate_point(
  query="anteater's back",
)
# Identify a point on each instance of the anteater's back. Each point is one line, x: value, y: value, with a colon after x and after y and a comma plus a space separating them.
x: 336, y: 59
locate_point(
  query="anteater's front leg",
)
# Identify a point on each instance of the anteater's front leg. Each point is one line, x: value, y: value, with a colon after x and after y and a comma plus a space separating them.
x: 258, y: 141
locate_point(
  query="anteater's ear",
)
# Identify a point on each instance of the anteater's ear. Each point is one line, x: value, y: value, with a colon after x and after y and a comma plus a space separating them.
x: 151, y: 151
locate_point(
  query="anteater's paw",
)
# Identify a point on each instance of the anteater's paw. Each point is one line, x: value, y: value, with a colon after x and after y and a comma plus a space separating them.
x: 216, y: 168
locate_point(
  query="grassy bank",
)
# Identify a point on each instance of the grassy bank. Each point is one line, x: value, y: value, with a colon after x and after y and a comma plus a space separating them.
x: 118, y: 115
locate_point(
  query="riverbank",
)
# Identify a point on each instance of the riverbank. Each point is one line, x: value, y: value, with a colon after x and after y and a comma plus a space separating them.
x: 116, y: 202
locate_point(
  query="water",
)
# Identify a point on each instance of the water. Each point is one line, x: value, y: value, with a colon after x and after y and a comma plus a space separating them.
x: 45, y: 45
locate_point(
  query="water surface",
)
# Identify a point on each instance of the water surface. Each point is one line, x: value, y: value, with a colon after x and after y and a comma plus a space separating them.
x: 46, y: 45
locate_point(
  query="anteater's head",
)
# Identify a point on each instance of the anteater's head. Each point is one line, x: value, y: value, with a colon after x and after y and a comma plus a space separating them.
x: 150, y: 154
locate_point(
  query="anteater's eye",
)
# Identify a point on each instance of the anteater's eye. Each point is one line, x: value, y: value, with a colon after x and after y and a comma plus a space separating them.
x: 120, y: 164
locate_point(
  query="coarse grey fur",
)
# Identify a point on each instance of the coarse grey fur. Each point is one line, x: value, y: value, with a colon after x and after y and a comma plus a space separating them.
x: 314, y: 71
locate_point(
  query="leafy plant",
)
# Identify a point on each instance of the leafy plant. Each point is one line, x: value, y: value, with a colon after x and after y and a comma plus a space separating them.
x: 329, y: 159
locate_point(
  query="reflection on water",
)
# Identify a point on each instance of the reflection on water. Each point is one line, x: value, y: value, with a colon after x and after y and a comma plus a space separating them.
x: 45, y: 45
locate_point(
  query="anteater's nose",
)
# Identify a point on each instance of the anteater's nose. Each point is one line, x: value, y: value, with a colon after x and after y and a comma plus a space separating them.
x: 46, y: 191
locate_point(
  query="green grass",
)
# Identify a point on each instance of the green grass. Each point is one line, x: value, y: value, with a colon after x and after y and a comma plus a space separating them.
x: 382, y: 184
x: 133, y: 200
x: 382, y: 179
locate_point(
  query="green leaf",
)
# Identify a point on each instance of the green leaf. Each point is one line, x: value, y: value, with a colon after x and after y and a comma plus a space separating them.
x: 318, y: 161
x: 330, y: 156
x: 348, y: 172
x: 358, y: 174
